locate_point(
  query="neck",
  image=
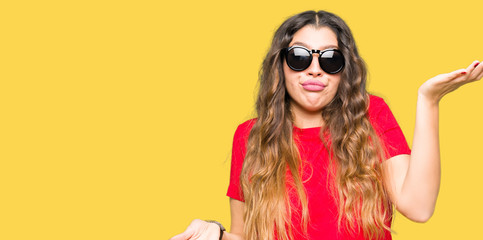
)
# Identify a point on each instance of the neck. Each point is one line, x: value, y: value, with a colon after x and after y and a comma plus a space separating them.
x: 307, y: 119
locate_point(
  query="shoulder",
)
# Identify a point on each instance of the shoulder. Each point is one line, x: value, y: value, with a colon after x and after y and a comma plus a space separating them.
x: 247, y: 125
x: 381, y: 115
x: 376, y: 102
x: 377, y: 105
x: 243, y: 130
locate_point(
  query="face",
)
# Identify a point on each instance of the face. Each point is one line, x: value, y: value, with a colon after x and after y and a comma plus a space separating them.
x: 312, y: 89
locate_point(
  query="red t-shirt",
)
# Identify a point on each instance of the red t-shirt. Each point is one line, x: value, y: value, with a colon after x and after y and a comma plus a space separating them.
x: 322, y: 207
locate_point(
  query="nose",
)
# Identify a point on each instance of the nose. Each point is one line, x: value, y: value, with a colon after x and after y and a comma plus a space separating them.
x: 314, y: 69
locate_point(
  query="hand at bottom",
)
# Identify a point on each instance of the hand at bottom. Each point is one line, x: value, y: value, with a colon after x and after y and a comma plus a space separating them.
x: 199, y: 230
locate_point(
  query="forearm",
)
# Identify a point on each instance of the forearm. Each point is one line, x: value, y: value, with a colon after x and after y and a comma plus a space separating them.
x: 421, y: 184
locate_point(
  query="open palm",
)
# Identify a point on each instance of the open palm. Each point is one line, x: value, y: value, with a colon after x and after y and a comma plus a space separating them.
x: 436, y: 87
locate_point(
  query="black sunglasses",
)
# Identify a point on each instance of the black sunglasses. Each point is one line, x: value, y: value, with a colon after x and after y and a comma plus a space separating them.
x: 299, y: 58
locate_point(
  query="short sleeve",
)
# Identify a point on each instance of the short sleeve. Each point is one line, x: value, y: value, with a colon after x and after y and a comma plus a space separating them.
x: 387, y: 128
x: 237, y: 157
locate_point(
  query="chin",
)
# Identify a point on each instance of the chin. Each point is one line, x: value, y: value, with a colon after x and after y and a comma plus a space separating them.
x: 313, y: 108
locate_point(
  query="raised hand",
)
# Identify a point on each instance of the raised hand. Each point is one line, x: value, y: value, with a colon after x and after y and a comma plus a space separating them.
x: 435, y: 88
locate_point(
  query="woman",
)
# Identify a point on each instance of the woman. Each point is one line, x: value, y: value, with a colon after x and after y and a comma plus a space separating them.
x: 324, y: 159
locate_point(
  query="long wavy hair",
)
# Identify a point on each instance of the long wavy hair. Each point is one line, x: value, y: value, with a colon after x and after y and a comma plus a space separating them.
x: 355, y: 176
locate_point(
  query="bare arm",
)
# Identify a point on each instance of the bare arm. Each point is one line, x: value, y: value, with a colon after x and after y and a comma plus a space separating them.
x: 236, y: 230
x: 413, y: 180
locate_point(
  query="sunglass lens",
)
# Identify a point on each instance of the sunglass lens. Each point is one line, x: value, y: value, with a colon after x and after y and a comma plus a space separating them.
x: 299, y: 59
x: 331, y: 61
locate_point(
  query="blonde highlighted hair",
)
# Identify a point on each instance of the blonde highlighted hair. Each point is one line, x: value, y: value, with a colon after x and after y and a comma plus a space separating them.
x: 355, y: 150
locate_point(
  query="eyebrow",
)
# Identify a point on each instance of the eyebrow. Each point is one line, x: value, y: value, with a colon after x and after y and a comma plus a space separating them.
x: 324, y: 47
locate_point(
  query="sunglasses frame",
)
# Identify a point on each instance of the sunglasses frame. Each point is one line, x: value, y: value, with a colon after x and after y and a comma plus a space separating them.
x: 311, y: 53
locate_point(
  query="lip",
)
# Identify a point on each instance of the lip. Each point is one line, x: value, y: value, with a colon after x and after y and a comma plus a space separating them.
x: 313, y: 85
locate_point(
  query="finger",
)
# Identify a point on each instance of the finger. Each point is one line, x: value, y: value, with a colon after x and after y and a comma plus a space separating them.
x: 467, y: 75
x: 462, y: 73
x: 473, y: 65
x: 470, y: 69
x: 477, y: 63
x: 477, y: 71
x: 458, y: 74
x: 479, y: 76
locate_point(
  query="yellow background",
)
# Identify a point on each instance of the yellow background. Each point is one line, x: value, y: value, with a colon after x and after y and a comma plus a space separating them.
x: 117, y: 116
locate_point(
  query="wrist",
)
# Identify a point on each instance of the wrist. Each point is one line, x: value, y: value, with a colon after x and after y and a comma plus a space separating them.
x: 222, y: 229
x: 427, y: 100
